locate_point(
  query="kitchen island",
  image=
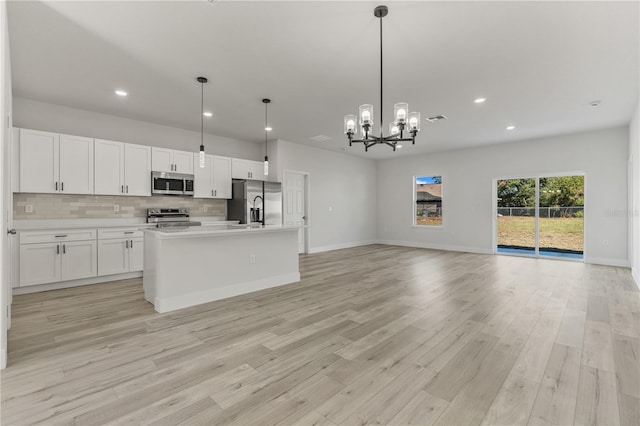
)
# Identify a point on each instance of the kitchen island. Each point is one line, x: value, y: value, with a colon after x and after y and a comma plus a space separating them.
x: 189, y: 266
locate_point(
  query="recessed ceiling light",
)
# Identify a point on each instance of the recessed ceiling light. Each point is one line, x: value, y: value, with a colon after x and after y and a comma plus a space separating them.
x: 511, y: 127
x: 479, y: 100
x: 268, y: 129
x: 120, y: 92
x: 594, y: 104
x: 207, y: 114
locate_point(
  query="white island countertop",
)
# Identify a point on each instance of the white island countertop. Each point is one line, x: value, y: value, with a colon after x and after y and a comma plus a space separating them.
x: 211, y: 230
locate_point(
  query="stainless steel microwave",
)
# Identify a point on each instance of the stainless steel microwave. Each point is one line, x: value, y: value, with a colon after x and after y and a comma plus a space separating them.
x: 163, y: 183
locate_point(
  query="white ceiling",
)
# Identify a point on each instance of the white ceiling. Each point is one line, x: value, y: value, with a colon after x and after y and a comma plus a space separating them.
x: 539, y: 64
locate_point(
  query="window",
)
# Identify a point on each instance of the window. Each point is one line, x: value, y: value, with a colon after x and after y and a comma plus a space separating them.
x: 428, y: 200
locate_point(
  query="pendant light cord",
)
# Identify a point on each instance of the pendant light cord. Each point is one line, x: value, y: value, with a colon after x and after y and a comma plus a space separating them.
x: 381, y: 127
x: 202, y: 116
x: 266, y: 106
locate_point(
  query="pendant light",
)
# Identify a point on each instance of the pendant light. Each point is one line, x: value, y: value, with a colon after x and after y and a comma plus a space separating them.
x: 202, y: 81
x: 266, y: 102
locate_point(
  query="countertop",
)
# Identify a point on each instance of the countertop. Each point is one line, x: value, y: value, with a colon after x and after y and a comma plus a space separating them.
x: 219, y: 230
x: 61, y: 224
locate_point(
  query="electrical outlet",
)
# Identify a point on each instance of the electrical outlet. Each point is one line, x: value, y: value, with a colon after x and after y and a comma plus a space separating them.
x: 252, y: 258
x: 28, y: 208
x: 330, y: 208
x: 205, y: 209
x: 116, y: 208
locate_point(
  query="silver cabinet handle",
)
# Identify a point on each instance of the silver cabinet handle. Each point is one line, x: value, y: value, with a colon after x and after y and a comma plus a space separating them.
x: 122, y: 188
x: 64, y: 249
x: 212, y: 192
x: 126, y: 243
x: 215, y: 192
x: 58, y: 249
x: 56, y: 186
x: 62, y: 186
x: 11, y: 231
x: 131, y: 244
x: 127, y: 189
x: 61, y: 236
x: 128, y: 232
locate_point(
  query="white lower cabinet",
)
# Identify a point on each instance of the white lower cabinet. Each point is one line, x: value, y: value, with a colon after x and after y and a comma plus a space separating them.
x: 112, y: 257
x: 120, y: 251
x: 78, y: 260
x: 39, y: 263
x: 49, y: 257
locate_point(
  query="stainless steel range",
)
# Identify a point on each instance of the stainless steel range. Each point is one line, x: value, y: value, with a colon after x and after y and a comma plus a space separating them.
x: 170, y: 217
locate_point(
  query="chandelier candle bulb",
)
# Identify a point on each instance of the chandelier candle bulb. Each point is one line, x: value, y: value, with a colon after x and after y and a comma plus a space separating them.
x: 350, y: 124
x: 366, y: 115
x: 400, y: 112
x: 414, y: 122
x: 393, y: 129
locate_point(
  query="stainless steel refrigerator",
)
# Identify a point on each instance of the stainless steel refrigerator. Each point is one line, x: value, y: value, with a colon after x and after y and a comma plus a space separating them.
x: 255, y: 202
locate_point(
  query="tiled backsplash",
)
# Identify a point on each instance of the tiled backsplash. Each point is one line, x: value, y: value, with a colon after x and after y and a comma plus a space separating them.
x: 56, y: 206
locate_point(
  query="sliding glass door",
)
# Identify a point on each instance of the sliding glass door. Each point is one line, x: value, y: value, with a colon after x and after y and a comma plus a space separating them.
x: 541, y: 216
x: 516, y: 221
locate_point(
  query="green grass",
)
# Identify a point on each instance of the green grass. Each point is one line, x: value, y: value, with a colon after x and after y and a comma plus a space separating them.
x: 561, y: 233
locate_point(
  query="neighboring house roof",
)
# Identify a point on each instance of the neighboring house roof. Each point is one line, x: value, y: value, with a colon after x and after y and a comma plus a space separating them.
x: 429, y: 192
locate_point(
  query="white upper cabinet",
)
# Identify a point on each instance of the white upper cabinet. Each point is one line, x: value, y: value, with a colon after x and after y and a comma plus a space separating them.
x: 76, y: 164
x: 39, y: 161
x: 109, y: 167
x: 214, y: 179
x: 122, y: 168
x: 256, y: 170
x: 52, y: 163
x: 221, y: 179
x: 170, y: 160
x: 202, y: 177
x: 137, y: 169
x: 239, y: 168
x: 247, y: 169
x: 183, y: 162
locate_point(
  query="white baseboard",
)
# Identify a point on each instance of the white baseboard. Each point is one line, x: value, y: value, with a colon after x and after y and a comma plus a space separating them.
x: 446, y: 247
x: 606, y: 261
x: 3, y: 358
x: 341, y: 246
x: 74, y: 283
x: 184, y: 301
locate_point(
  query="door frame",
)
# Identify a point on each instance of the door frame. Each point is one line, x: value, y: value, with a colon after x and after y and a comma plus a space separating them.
x: 537, y: 176
x: 307, y: 204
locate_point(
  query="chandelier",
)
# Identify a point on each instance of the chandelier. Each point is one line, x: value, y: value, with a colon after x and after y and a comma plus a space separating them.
x: 403, y: 120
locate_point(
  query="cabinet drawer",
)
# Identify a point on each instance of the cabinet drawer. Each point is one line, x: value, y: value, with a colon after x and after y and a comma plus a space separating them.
x: 34, y: 237
x: 110, y: 234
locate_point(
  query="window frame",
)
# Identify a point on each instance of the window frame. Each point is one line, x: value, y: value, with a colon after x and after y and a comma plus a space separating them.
x: 414, y: 220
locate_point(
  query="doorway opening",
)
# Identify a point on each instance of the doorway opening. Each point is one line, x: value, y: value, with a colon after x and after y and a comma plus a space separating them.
x: 295, y: 189
x: 542, y: 216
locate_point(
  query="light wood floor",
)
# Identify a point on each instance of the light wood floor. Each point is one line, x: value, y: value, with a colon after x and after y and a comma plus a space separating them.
x: 371, y: 335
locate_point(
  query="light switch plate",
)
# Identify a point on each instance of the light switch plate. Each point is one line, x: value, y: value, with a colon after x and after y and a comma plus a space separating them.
x: 28, y: 208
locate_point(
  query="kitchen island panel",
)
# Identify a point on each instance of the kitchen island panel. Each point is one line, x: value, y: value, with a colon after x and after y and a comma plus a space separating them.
x: 198, y: 267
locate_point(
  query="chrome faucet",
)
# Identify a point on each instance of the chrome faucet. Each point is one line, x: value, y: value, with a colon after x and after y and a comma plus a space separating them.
x: 255, y: 213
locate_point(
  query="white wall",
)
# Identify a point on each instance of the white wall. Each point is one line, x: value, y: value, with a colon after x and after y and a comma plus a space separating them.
x: 343, y: 182
x: 634, y: 194
x: 38, y: 115
x: 5, y: 196
x: 468, y: 191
